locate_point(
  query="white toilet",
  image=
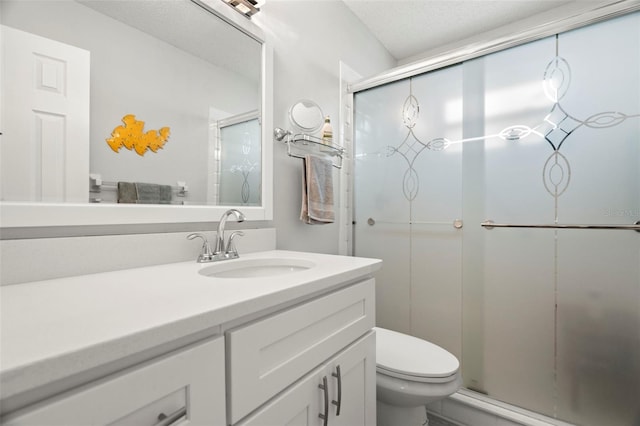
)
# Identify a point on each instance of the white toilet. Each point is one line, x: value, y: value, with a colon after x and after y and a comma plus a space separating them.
x: 411, y: 373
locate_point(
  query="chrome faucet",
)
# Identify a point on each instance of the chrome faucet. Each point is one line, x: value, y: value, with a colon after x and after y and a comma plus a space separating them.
x: 221, y: 250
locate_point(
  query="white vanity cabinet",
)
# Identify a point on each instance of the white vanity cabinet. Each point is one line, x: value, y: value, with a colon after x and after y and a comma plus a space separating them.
x: 185, y: 387
x: 220, y: 352
x: 276, y: 364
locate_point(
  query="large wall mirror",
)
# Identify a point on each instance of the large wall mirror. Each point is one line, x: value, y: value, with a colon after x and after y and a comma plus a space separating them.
x: 167, y: 99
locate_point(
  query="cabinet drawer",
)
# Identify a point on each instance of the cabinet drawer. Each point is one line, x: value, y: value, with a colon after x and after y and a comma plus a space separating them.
x: 185, y: 387
x: 271, y: 354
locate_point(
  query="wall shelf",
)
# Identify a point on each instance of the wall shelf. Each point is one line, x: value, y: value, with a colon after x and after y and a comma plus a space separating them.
x: 299, y: 145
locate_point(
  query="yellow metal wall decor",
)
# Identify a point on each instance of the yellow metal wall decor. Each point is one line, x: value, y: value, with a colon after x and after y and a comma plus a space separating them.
x: 132, y: 136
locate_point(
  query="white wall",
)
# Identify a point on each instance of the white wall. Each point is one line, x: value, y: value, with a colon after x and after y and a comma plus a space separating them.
x: 310, y: 38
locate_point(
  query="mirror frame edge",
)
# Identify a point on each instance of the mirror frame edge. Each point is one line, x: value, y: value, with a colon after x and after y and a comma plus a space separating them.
x: 31, y: 214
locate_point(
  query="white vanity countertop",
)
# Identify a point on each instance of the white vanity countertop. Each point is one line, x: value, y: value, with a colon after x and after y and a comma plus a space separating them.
x: 54, y: 328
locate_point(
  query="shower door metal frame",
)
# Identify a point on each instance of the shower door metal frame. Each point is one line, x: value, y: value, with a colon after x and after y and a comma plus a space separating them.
x: 515, y: 37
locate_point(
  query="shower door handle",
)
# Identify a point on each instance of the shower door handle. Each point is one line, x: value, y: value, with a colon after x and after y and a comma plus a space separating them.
x: 457, y: 223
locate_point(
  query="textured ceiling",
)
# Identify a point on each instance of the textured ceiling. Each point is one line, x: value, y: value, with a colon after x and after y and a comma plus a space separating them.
x: 411, y: 27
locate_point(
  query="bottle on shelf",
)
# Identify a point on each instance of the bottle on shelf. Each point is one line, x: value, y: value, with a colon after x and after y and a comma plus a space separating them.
x: 326, y: 134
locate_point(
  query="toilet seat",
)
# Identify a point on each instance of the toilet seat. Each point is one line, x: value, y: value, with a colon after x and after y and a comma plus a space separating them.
x: 410, y: 358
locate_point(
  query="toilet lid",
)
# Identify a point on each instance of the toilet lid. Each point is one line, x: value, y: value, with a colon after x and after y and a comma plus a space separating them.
x: 410, y: 356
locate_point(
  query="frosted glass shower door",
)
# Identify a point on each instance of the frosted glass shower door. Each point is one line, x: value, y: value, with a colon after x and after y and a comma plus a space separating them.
x: 561, y: 308
x: 381, y: 212
x: 408, y: 196
x: 598, y: 272
x: 517, y: 303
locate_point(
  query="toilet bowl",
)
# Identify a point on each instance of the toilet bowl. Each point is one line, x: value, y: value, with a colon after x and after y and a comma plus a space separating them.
x: 410, y: 373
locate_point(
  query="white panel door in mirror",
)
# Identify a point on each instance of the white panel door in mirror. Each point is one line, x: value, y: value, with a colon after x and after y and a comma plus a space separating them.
x: 45, y: 151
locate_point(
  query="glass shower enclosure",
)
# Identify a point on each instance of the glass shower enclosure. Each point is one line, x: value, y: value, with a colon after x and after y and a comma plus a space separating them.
x: 503, y: 195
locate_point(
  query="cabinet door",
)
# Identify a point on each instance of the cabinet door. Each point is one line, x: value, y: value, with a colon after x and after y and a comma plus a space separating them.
x: 185, y: 387
x: 354, y: 388
x: 299, y: 405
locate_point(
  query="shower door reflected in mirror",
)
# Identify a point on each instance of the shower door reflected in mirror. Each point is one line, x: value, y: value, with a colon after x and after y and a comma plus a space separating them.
x: 236, y: 155
x: 167, y: 63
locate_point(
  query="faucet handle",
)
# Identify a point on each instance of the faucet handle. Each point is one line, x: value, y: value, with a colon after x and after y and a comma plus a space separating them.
x: 231, y: 247
x: 206, y: 254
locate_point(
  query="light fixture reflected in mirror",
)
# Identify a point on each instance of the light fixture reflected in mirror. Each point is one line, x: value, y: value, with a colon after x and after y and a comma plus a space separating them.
x: 246, y: 7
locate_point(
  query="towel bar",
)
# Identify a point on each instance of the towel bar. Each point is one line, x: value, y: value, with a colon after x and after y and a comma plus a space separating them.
x: 96, y: 184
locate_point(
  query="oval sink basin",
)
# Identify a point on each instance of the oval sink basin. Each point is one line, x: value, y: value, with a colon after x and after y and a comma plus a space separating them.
x: 255, y: 268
